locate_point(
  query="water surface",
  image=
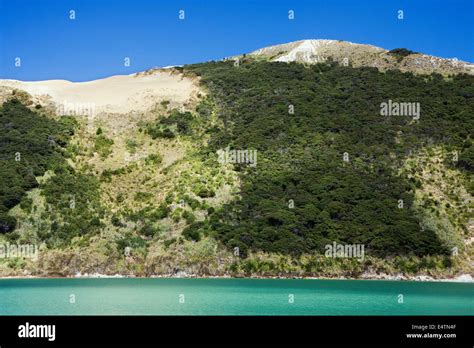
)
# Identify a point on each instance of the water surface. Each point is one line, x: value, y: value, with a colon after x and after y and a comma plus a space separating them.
x: 166, y: 296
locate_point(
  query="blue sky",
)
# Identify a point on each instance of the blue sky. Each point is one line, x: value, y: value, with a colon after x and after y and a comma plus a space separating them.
x: 149, y: 32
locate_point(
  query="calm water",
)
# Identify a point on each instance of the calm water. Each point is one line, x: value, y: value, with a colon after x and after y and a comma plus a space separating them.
x: 233, y: 297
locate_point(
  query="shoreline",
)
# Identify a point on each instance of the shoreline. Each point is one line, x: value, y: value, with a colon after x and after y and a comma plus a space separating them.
x: 462, y: 278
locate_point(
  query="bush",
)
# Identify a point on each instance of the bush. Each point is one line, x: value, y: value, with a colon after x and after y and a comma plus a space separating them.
x: 154, y: 159
x: 130, y: 241
x: 7, y: 223
x: 192, y: 232
x: 466, y: 158
x: 300, y: 156
x: 189, y: 217
x: 149, y: 231
x: 103, y: 145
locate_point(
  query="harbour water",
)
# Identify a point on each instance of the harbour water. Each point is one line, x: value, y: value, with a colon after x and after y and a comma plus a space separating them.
x: 174, y: 296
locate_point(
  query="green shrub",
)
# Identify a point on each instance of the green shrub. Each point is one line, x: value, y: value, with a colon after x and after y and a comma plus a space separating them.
x: 154, y: 159
x: 103, y: 145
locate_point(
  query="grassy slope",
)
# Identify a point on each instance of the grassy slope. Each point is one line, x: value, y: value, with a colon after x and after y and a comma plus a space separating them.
x: 146, y: 203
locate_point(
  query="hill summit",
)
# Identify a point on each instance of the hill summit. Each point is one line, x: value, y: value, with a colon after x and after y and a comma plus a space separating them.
x: 358, y: 55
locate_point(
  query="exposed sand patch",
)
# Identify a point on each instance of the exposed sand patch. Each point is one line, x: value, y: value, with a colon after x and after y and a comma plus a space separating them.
x: 116, y: 94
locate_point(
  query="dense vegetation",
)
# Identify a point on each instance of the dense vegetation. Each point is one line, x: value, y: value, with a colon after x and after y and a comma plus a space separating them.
x: 29, y: 145
x: 330, y: 169
x: 168, y: 127
x: 74, y: 207
x: 302, y: 195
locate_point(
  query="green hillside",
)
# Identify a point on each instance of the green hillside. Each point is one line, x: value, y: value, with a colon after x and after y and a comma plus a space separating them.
x: 328, y: 168
x: 29, y: 145
x: 336, y: 111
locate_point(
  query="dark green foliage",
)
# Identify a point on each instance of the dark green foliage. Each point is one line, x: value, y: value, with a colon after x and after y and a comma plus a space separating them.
x: 160, y: 213
x: 29, y: 145
x: 204, y: 108
x: 26, y: 204
x: 400, y: 53
x: 103, y: 145
x: 181, y: 122
x: 466, y: 158
x: 149, y: 214
x: 154, y: 159
x: 149, y: 230
x: 133, y: 242
x: 107, y: 174
x: 116, y: 221
x: 158, y: 132
x: 75, y: 209
x: 193, y: 203
x: 300, y: 156
x: 141, y: 196
x: 132, y: 146
x: 194, y: 231
x: 7, y: 223
x: 203, y: 191
x: 168, y: 242
x: 189, y: 217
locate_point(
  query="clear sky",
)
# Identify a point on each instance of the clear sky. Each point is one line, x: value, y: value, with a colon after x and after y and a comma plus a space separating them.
x: 149, y: 32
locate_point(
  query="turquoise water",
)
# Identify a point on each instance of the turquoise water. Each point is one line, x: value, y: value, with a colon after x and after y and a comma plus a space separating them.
x: 232, y: 297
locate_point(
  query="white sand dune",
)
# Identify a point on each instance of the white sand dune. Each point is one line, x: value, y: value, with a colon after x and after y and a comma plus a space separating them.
x: 116, y: 94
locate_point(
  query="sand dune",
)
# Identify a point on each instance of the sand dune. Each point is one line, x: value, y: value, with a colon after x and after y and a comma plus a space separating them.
x: 116, y: 94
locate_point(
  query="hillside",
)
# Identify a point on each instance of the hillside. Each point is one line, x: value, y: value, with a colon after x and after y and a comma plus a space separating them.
x: 140, y: 187
x: 359, y: 55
